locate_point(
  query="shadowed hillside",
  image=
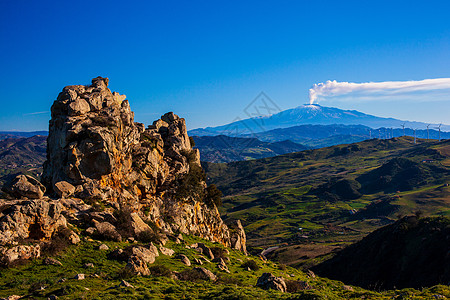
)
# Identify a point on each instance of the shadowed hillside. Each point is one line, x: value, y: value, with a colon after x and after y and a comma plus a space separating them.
x: 411, y: 252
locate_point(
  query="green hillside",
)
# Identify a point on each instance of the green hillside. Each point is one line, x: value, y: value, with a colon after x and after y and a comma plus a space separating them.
x: 313, y: 202
x: 104, y: 274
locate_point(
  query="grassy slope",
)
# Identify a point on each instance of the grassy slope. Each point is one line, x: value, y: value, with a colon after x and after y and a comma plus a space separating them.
x: 273, y: 196
x: 26, y: 280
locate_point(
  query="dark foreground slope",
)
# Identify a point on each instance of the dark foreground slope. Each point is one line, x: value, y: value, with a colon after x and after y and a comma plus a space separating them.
x: 411, y: 252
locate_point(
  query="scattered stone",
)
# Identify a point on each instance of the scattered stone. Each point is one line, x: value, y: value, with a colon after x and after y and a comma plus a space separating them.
x: 347, y: 288
x: 205, y: 259
x: 269, y: 281
x: 13, y: 297
x: 311, y: 274
x: 125, y: 284
x: 24, y: 186
x: 206, y: 250
x: 74, y: 238
x: 52, y: 297
x: 88, y: 265
x: 223, y: 267
x: 184, y: 259
x: 64, y: 189
x: 103, y: 247
x: 62, y: 280
x: 51, y: 261
x: 166, y: 251
x: 91, y: 230
x: 79, y: 277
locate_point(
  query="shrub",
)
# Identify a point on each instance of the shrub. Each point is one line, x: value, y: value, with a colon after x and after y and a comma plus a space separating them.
x: 58, y: 242
x: 251, y: 264
x: 294, y: 286
x: 213, y: 196
x: 191, y: 183
x: 192, y: 141
x: 190, y: 275
x: 160, y: 270
x: 226, y: 279
x: 219, y: 252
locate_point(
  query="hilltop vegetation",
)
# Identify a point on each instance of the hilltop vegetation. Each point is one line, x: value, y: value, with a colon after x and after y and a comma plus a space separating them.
x: 317, y: 201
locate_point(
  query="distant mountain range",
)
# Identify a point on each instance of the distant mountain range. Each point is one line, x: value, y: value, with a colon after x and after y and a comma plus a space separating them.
x: 227, y: 149
x: 15, y: 134
x: 308, y: 114
x: 317, y: 136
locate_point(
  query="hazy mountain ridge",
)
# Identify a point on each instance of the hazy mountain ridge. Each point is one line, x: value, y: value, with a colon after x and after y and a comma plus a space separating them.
x: 308, y: 114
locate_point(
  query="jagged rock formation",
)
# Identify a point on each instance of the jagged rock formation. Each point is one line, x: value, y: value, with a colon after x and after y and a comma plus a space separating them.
x: 113, y: 176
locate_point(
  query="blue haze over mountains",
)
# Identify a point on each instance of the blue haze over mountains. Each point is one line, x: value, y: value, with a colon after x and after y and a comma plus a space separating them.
x: 309, y: 114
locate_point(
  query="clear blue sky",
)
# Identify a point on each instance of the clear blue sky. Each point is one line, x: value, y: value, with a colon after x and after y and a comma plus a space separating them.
x: 206, y: 60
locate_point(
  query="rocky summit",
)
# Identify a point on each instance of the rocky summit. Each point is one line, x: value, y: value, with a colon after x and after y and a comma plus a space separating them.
x: 112, y: 177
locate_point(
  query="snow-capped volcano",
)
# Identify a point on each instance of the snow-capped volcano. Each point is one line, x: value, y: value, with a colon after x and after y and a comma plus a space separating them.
x: 313, y: 114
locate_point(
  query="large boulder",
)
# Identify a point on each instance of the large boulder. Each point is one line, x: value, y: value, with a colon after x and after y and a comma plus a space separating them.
x: 270, y: 281
x: 147, y: 255
x: 64, y: 189
x: 24, y: 186
x: 107, y: 231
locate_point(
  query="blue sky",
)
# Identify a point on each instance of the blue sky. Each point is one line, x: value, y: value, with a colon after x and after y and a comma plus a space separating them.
x: 206, y: 60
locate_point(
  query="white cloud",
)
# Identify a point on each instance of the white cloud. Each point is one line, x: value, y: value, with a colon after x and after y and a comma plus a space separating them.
x: 334, y: 88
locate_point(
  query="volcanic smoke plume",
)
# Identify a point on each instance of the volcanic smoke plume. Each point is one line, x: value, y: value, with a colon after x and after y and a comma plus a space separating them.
x: 334, y: 88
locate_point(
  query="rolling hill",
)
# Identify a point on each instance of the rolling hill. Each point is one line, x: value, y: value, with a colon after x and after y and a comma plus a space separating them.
x: 313, y: 202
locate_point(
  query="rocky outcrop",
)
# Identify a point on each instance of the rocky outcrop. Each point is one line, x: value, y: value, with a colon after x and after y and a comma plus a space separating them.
x: 115, y: 179
x: 95, y: 146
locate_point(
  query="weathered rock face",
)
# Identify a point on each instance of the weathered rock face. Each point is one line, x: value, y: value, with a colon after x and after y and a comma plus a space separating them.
x: 31, y: 219
x: 100, y: 155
